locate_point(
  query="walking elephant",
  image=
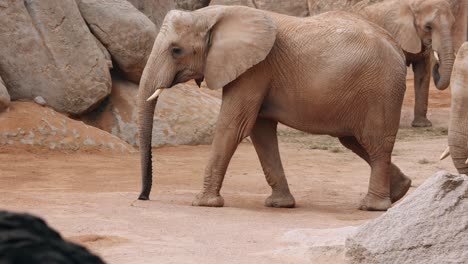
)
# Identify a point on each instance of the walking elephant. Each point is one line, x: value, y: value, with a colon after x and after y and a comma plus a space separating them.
x: 332, y: 74
x: 458, y: 127
x: 422, y: 27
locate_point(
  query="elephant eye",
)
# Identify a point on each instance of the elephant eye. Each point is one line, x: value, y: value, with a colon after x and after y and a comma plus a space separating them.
x: 427, y: 28
x: 176, y: 52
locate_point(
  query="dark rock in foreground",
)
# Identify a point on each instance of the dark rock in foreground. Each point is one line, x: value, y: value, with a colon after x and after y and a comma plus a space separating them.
x: 25, y: 238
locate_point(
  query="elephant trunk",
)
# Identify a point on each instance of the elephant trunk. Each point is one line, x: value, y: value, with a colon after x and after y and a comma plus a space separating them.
x: 159, y: 72
x: 458, y: 129
x: 442, y: 70
x: 458, y: 143
x: 145, y: 121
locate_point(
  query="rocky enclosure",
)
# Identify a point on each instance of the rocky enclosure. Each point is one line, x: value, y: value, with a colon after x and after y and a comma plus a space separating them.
x: 84, y: 58
x: 68, y: 50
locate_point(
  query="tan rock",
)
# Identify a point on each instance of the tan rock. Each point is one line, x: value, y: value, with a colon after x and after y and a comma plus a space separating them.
x: 155, y: 10
x: 320, y: 6
x: 47, y: 50
x: 184, y: 115
x: 26, y: 125
x: 191, y: 4
x: 4, y: 96
x: 292, y: 7
x: 126, y: 33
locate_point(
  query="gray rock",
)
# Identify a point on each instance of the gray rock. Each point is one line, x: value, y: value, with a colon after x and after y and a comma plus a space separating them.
x: 126, y: 33
x: 155, y: 10
x: 291, y: 7
x: 40, y: 100
x: 46, y: 49
x: 429, y: 226
x: 248, y: 3
x: 310, y: 245
x: 184, y: 115
x: 191, y: 4
x: 4, y: 96
x: 320, y: 6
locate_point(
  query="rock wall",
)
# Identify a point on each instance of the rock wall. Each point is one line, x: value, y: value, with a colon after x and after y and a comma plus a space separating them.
x: 47, y: 50
x: 128, y: 36
x: 155, y: 10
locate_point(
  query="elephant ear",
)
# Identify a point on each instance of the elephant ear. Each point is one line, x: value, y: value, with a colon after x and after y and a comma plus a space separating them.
x: 460, y: 28
x: 405, y: 32
x: 240, y: 37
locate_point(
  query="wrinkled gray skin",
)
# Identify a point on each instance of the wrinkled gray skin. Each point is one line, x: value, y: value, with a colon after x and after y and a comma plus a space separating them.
x: 420, y: 27
x: 276, y: 68
x: 458, y: 128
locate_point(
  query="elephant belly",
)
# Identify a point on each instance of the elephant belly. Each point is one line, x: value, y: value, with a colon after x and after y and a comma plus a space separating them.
x: 307, y: 117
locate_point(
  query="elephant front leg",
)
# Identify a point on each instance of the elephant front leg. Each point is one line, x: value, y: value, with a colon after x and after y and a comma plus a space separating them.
x: 265, y: 141
x: 236, y: 119
x: 422, y: 78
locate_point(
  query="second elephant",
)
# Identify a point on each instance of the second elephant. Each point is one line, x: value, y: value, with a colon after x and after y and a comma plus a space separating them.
x: 458, y: 128
x: 332, y: 74
x: 421, y: 27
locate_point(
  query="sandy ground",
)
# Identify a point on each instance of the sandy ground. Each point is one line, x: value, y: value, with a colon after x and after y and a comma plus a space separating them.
x: 90, y: 197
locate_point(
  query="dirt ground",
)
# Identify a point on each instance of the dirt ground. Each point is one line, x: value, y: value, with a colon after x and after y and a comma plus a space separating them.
x: 90, y: 197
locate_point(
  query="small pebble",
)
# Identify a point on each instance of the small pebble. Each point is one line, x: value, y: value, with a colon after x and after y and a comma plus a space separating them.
x: 39, y: 100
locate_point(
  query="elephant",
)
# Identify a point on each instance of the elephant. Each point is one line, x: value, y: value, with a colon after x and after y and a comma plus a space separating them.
x: 334, y: 74
x: 422, y: 28
x: 458, y: 127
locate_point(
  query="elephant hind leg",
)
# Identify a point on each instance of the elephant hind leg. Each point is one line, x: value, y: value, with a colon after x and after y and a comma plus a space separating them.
x: 422, y: 79
x: 399, y: 182
x: 265, y: 141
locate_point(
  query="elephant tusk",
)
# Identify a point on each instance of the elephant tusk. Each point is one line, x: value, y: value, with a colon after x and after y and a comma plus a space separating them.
x: 466, y: 161
x: 445, y: 154
x: 436, y: 56
x: 155, y: 94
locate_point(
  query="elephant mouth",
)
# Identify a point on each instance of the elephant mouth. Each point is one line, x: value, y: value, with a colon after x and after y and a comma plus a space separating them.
x: 179, y: 78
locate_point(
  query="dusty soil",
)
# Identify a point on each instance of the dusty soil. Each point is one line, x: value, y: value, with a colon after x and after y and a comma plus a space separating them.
x: 90, y: 197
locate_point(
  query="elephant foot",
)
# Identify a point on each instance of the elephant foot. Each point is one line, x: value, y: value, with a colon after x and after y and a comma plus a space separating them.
x: 373, y: 202
x: 208, y: 200
x: 421, y: 122
x: 399, y: 187
x: 280, y: 200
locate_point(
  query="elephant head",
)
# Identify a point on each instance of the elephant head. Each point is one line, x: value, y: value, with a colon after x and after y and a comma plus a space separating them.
x: 216, y: 43
x: 428, y: 23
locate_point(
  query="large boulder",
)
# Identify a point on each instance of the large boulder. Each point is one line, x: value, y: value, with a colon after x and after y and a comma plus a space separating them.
x: 248, y: 3
x: 4, y: 96
x: 126, y: 33
x: 320, y: 6
x: 191, y: 4
x: 428, y: 226
x: 26, y: 125
x: 47, y: 50
x: 292, y: 7
x: 184, y: 115
x: 155, y: 10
